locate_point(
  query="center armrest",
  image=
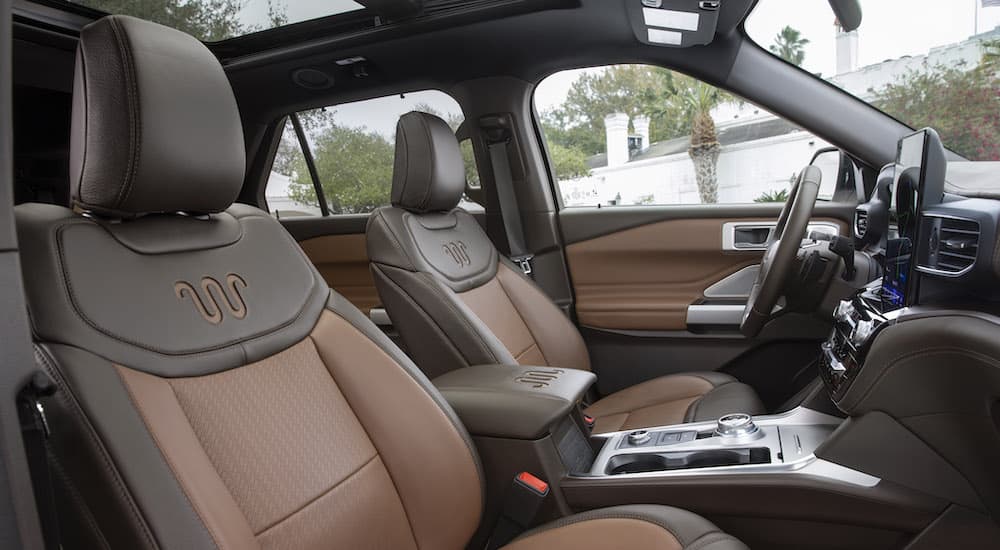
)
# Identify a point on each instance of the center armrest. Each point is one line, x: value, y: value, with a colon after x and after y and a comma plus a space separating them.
x: 513, y: 402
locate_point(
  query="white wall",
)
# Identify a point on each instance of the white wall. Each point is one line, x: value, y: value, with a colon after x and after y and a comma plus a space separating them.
x: 746, y: 170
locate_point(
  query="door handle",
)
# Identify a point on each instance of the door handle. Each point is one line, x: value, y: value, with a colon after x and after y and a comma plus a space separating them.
x: 751, y: 236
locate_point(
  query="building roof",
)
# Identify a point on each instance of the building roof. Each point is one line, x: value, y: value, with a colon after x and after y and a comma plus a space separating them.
x: 730, y: 135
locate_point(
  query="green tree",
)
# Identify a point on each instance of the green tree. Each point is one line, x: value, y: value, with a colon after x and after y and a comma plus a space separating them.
x: 631, y: 89
x: 961, y: 104
x: 568, y: 163
x: 790, y: 45
x: 207, y: 20
x: 991, y: 55
x: 697, y: 100
x: 354, y: 167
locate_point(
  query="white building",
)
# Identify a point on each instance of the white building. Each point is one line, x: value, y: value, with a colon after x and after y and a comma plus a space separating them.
x: 279, y: 201
x: 760, y: 152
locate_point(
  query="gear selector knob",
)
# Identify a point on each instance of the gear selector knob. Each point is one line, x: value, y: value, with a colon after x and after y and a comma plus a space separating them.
x: 736, y: 426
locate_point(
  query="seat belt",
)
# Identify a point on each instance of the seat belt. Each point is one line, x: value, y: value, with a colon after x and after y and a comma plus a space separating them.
x: 35, y: 432
x: 509, y: 211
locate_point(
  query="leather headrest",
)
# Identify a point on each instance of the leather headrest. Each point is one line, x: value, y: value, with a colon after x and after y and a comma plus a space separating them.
x: 428, y: 174
x: 155, y: 123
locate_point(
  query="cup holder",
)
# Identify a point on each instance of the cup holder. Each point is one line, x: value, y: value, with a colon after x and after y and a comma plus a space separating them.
x: 635, y: 463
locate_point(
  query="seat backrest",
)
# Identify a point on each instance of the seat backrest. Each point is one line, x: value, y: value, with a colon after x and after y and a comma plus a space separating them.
x: 212, y: 391
x: 453, y: 298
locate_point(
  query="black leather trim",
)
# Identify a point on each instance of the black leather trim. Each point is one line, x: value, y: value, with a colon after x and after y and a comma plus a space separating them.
x: 692, y: 531
x: 86, y: 289
x: 155, y: 126
x: 428, y: 171
x: 112, y: 459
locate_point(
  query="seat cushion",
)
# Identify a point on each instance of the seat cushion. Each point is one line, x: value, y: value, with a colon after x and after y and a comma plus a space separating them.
x: 674, y: 399
x: 646, y: 527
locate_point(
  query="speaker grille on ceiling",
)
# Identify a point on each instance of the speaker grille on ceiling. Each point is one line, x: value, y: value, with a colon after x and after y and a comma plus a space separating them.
x: 312, y: 79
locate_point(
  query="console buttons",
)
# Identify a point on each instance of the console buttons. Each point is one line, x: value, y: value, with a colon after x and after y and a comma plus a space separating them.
x: 666, y: 438
x: 639, y: 437
x: 862, y: 331
x: 844, y: 312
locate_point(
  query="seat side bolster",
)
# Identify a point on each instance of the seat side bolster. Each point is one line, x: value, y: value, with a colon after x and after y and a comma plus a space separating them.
x: 555, y: 334
x: 431, y: 310
x: 114, y: 459
x: 427, y: 456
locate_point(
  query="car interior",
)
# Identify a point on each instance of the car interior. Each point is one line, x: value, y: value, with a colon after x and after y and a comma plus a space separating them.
x: 482, y: 274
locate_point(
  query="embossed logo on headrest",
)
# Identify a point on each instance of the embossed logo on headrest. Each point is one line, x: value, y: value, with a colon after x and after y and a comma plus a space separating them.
x: 457, y: 251
x: 538, y: 378
x: 213, y: 297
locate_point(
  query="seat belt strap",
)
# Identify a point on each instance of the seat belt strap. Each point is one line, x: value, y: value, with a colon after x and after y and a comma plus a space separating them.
x: 35, y: 433
x: 509, y: 211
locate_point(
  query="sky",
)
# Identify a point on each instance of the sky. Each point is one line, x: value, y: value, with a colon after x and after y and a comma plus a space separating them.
x: 890, y: 29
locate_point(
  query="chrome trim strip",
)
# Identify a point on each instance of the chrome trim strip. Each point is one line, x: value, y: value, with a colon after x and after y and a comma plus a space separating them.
x: 715, y: 315
x: 808, y: 464
x: 729, y: 233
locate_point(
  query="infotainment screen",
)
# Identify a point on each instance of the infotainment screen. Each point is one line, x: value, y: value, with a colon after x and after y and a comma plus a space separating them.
x: 906, y: 194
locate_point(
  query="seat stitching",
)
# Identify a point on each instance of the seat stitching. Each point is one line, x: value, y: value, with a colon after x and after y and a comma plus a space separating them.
x: 223, y: 346
x: 461, y: 317
x: 709, y: 539
x: 135, y: 121
x: 388, y: 471
x: 73, y: 406
x: 318, y: 497
x: 166, y: 457
x: 523, y: 321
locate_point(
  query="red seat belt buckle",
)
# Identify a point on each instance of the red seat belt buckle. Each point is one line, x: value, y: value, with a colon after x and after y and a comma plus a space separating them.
x: 532, y: 483
x: 589, y: 421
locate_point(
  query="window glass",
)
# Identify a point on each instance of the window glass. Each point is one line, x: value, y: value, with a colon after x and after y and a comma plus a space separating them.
x: 214, y: 20
x: 353, y: 146
x: 643, y: 135
x: 924, y: 62
x: 286, y: 198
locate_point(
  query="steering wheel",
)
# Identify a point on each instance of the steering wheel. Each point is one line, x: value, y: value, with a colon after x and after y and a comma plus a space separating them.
x: 782, y: 249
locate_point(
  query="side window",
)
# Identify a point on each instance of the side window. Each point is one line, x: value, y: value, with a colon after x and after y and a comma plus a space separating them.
x: 353, y: 146
x: 643, y: 135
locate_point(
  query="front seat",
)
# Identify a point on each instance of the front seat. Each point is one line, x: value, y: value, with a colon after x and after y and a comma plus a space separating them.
x: 457, y: 302
x: 212, y: 392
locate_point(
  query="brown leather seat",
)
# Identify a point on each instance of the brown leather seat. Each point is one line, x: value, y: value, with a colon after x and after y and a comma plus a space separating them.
x: 456, y: 302
x: 212, y: 391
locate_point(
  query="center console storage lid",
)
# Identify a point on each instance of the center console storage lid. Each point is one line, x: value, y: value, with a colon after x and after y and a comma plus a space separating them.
x: 513, y: 402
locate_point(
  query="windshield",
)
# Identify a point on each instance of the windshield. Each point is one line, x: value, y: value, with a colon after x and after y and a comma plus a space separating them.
x: 924, y: 62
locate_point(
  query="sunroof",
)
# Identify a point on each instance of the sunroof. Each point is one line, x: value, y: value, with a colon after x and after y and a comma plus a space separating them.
x: 214, y: 20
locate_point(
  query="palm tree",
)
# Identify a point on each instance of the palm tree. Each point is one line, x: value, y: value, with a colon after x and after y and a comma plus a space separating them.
x: 790, y: 46
x: 699, y: 99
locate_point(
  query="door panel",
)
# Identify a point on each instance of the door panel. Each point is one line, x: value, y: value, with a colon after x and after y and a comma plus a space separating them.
x: 342, y: 260
x: 636, y: 272
x: 645, y: 277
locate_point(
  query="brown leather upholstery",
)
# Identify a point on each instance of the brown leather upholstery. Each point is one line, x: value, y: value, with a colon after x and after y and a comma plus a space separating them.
x: 212, y: 392
x: 647, y: 527
x: 457, y: 303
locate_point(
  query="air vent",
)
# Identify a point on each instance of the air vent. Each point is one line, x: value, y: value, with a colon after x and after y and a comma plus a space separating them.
x: 861, y: 223
x: 954, y: 246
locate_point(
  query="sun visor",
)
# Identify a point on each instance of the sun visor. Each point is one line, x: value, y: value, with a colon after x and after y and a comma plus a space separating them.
x: 674, y: 23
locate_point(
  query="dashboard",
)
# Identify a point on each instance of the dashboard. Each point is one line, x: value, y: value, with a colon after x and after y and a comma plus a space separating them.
x: 936, y: 251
